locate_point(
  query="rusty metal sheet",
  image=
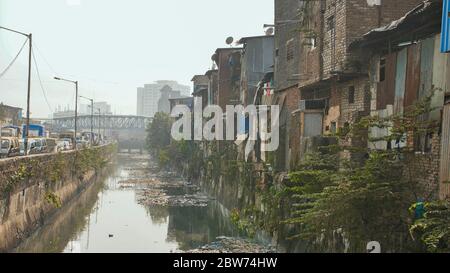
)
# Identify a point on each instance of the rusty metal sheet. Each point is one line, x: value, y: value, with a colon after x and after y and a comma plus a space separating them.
x: 386, y: 89
x: 412, y: 75
x: 426, y: 67
x: 444, y: 176
x: 439, y: 80
x: 400, y: 81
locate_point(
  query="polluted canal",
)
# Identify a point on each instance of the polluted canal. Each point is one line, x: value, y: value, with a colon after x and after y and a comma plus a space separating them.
x: 138, y: 208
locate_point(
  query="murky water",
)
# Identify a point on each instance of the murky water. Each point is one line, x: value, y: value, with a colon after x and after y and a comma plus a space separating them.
x: 108, y: 218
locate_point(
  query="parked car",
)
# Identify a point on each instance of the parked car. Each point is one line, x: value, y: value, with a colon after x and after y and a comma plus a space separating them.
x: 82, y: 144
x: 33, y: 148
x: 10, y: 147
x: 51, y: 144
x: 10, y: 131
x: 44, y: 146
x: 60, y: 145
x: 63, y: 145
x: 37, y: 145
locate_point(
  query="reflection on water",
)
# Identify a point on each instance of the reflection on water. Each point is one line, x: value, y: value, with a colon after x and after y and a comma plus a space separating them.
x: 107, y: 218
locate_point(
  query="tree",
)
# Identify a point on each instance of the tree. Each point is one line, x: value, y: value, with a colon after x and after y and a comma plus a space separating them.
x: 158, y: 133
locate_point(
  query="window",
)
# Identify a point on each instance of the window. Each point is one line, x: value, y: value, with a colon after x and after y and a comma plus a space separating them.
x: 331, y: 23
x: 5, y: 144
x: 382, y: 69
x: 351, y: 94
x: 423, y: 142
x: 333, y: 127
x: 290, y: 50
x: 313, y: 42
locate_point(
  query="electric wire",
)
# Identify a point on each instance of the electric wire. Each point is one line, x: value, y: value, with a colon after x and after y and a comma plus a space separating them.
x: 14, y: 60
x: 40, y: 83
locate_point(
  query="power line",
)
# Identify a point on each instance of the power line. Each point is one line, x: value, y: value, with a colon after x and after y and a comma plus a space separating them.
x: 40, y: 83
x: 45, y: 60
x: 14, y: 60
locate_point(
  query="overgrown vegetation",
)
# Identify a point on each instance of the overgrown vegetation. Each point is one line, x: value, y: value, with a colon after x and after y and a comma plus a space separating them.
x: 433, y: 230
x: 337, y: 199
x: 56, y: 170
x: 53, y: 199
x: 340, y: 205
x: 185, y: 155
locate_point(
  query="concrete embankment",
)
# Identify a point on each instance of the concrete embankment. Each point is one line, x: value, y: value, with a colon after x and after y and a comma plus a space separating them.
x: 33, y: 188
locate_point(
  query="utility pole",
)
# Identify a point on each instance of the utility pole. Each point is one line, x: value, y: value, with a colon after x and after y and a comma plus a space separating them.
x: 76, y: 112
x: 99, y: 123
x: 92, y: 119
x: 27, y: 130
x: 92, y: 123
x: 30, y: 41
x: 76, y: 107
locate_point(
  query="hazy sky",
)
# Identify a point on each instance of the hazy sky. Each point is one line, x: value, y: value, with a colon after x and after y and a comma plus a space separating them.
x: 113, y: 46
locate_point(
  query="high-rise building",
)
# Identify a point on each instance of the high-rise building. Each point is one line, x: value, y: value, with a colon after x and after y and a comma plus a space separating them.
x: 149, y: 95
x: 166, y: 94
x: 105, y: 108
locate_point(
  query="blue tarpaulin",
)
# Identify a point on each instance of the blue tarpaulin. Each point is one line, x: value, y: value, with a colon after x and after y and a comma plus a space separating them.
x: 445, y: 34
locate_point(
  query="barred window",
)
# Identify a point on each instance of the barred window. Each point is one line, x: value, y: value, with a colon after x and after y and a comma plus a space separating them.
x: 290, y: 50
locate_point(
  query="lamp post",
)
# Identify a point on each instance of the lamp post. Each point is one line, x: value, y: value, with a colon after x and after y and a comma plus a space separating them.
x: 99, y: 116
x: 76, y: 105
x: 99, y: 124
x: 27, y: 129
x: 92, y: 119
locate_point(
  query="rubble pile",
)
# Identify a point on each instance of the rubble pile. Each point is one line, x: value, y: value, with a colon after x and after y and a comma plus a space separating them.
x: 156, y: 187
x: 233, y: 245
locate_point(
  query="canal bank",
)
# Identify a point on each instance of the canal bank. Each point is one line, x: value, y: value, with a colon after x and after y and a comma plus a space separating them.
x: 34, y: 188
x: 115, y: 214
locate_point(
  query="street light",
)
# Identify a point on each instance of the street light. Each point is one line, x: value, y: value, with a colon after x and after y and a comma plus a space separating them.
x: 99, y: 115
x: 92, y: 119
x: 27, y: 129
x: 76, y: 105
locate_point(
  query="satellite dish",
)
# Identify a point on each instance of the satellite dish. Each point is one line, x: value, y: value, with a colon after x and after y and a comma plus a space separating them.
x: 229, y: 40
x: 214, y: 57
x: 269, y: 31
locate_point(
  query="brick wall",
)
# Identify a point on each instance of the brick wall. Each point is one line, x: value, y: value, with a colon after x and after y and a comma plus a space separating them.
x: 310, y: 54
x: 289, y: 146
x: 423, y: 168
x: 352, y: 19
x: 361, y: 18
x: 361, y: 99
x: 286, y: 70
x: 334, y: 36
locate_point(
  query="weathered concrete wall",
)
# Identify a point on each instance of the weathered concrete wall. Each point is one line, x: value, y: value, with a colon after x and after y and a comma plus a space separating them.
x: 33, y: 188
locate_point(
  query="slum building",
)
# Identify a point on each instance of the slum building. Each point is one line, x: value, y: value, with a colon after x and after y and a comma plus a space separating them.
x: 407, y: 66
x: 286, y: 71
x: 334, y: 81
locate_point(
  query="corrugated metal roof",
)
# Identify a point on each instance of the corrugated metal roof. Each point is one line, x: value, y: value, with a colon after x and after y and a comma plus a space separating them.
x: 394, y: 24
x: 412, y: 18
x: 445, y: 34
